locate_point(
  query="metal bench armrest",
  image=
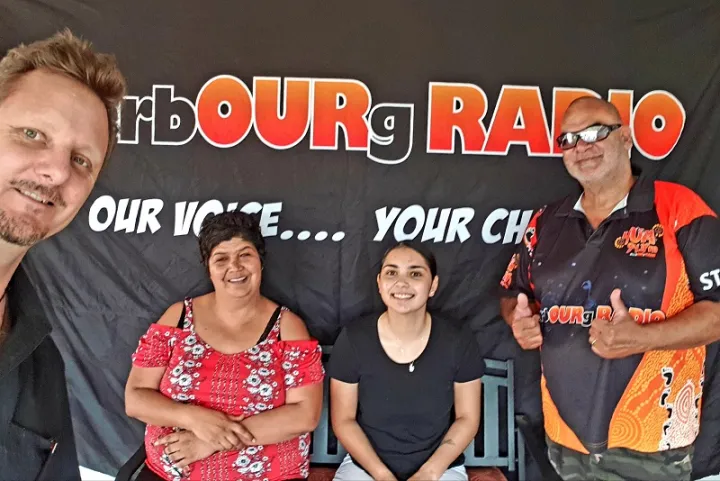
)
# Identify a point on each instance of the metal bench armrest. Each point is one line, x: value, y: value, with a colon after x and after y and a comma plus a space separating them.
x: 128, y: 470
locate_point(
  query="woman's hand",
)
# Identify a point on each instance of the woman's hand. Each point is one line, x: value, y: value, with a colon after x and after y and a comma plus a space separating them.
x: 184, y: 448
x: 219, y: 429
x: 385, y: 475
x: 426, y: 473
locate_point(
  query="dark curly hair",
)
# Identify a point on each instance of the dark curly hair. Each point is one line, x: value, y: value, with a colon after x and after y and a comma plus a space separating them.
x: 228, y: 225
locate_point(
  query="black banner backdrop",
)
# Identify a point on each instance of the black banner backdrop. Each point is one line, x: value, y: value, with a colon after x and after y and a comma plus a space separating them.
x: 398, y: 119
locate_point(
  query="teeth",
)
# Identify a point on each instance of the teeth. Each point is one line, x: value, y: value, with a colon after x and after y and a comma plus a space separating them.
x: 34, y: 196
x: 237, y: 279
x: 402, y: 296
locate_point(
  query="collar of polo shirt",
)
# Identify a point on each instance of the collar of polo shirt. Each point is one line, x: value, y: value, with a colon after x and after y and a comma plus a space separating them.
x: 620, y: 205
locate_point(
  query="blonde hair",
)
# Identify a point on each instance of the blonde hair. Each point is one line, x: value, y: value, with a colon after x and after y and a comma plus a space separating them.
x: 68, y: 55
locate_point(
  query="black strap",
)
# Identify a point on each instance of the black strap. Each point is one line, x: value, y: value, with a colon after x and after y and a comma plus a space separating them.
x: 182, y: 316
x: 270, y: 325
x: 265, y: 334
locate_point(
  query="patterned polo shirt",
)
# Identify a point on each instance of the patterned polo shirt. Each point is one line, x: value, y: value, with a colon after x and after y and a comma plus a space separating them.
x: 661, y: 247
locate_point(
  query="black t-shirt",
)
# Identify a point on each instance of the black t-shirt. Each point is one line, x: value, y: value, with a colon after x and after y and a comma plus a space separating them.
x: 405, y: 414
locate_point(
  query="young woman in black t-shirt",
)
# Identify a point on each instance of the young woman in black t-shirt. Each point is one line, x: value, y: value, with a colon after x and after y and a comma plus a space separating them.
x: 405, y: 387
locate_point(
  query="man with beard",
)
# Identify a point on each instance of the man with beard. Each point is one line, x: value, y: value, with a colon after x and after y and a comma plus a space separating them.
x: 59, y: 104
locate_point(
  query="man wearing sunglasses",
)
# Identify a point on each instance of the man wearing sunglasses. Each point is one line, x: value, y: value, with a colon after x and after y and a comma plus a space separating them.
x: 618, y: 285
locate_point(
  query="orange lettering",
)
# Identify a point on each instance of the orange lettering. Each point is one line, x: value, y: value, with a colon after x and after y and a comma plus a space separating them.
x: 519, y: 118
x: 622, y: 100
x: 577, y: 315
x: 657, y: 316
x: 553, y: 314
x: 224, y: 111
x: 636, y: 314
x: 658, y: 121
x: 456, y: 108
x: 340, y: 104
x: 281, y: 126
x: 565, y: 312
x: 604, y: 313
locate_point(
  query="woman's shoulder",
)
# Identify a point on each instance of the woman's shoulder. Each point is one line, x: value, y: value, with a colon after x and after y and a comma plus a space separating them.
x: 451, y: 328
x: 361, y: 327
x: 166, y: 327
x: 172, y: 314
x: 292, y: 326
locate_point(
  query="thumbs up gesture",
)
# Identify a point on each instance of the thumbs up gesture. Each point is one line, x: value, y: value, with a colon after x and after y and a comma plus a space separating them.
x: 525, y: 325
x: 621, y: 336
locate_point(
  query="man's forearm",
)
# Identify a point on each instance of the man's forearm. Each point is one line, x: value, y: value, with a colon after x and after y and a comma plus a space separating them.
x: 696, y: 326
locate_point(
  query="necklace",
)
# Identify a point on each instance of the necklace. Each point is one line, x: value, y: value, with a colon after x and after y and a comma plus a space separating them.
x: 398, y: 342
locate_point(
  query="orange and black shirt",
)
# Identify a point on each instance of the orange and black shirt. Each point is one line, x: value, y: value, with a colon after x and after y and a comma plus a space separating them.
x: 661, y: 247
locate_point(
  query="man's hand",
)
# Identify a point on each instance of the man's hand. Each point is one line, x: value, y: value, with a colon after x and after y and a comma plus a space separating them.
x: 184, y: 448
x: 620, y: 337
x: 526, y: 325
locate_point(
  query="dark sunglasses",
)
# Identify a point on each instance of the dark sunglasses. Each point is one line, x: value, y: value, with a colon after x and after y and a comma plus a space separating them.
x: 592, y: 134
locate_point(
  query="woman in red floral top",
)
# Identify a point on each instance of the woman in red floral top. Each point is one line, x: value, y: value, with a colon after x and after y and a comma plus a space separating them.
x: 228, y: 383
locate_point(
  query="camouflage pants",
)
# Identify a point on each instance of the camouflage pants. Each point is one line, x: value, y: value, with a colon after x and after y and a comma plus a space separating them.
x: 620, y: 464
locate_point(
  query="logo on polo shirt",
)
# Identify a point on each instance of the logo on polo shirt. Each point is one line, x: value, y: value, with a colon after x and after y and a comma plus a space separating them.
x: 529, y: 239
x: 640, y: 242
x: 710, y: 280
x: 583, y: 317
x: 507, y: 278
